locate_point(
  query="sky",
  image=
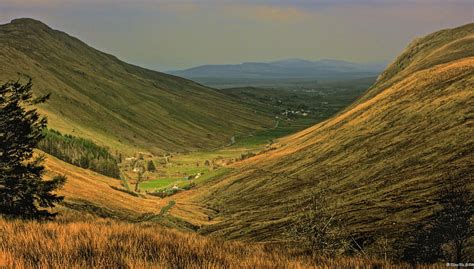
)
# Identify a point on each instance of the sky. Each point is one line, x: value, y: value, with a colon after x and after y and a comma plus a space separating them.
x: 173, y: 34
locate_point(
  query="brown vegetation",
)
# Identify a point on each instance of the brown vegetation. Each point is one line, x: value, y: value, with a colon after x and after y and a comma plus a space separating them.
x: 87, y: 187
x: 101, y: 243
x: 384, y: 158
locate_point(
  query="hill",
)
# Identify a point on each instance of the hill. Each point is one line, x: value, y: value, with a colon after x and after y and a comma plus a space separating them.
x: 131, y: 236
x: 381, y: 160
x: 119, y: 105
x: 279, y: 72
x: 90, y: 192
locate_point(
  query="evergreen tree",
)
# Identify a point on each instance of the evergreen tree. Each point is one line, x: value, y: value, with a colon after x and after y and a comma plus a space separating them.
x: 23, y: 192
x: 80, y: 152
x: 150, y: 166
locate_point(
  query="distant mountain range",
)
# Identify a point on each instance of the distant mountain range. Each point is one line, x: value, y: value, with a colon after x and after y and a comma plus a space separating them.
x: 284, y: 69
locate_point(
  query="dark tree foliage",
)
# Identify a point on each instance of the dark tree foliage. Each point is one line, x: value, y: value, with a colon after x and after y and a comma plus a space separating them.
x: 80, y: 152
x: 422, y: 244
x: 453, y: 223
x: 139, y: 179
x: 150, y: 166
x: 444, y: 236
x: 23, y: 192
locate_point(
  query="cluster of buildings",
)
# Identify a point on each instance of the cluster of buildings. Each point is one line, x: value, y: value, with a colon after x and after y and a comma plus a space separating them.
x: 295, y: 112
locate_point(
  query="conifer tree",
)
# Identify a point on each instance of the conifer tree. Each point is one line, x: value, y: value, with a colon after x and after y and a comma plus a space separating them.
x: 151, y: 166
x: 23, y: 192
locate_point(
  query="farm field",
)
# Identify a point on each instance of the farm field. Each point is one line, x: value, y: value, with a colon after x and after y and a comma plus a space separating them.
x: 184, y: 170
x: 293, y: 108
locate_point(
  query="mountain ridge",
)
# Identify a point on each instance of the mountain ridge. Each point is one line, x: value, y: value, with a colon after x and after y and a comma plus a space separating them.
x: 285, y: 68
x: 119, y: 105
x: 381, y: 160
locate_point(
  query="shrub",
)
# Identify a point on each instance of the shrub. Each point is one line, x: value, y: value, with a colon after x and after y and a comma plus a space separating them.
x: 318, y: 230
x: 150, y: 166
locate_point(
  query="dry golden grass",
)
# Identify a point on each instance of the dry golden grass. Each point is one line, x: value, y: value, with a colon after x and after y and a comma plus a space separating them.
x: 383, y: 158
x: 87, y: 186
x: 101, y: 243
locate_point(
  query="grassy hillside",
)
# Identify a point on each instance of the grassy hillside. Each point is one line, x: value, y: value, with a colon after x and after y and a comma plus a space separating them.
x: 131, y: 235
x: 90, y: 192
x: 381, y: 159
x: 97, y: 96
x: 94, y: 243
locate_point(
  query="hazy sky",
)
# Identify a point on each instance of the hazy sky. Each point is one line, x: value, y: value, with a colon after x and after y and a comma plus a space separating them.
x: 173, y: 34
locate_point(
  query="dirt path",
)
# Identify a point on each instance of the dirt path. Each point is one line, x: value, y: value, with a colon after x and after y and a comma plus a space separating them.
x: 276, y: 124
x: 164, y: 210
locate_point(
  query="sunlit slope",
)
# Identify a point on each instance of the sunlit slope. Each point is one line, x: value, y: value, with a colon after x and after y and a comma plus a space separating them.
x: 95, y: 95
x: 381, y: 159
x: 91, y: 192
x: 437, y: 48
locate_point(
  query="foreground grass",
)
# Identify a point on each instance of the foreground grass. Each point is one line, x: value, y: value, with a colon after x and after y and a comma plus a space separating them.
x: 99, y: 243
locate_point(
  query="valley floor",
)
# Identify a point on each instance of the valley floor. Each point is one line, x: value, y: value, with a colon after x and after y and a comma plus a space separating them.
x: 195, y: 168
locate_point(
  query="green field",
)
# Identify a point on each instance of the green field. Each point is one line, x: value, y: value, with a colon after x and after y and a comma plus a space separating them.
x: 159, y: 183
x: 267, y: 136
x: 182, y: 165
x: 321, y: 102
x: 321, y: 99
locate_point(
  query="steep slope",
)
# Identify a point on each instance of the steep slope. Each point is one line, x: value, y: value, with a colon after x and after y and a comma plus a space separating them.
x: 95, y: 95
x: 382, y: 159
x: 91, y: 192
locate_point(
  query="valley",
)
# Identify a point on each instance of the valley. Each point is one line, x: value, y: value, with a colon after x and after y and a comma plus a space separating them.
x: 163, y: 172
x: 293, y: 110
x: 382, y: 158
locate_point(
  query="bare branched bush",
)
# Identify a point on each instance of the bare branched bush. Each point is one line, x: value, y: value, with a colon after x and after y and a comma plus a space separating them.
x: 318, y: 229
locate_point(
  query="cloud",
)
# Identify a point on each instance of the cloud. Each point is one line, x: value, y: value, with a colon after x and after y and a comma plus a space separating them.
x: 259, y: 11
x: 182, y: 33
